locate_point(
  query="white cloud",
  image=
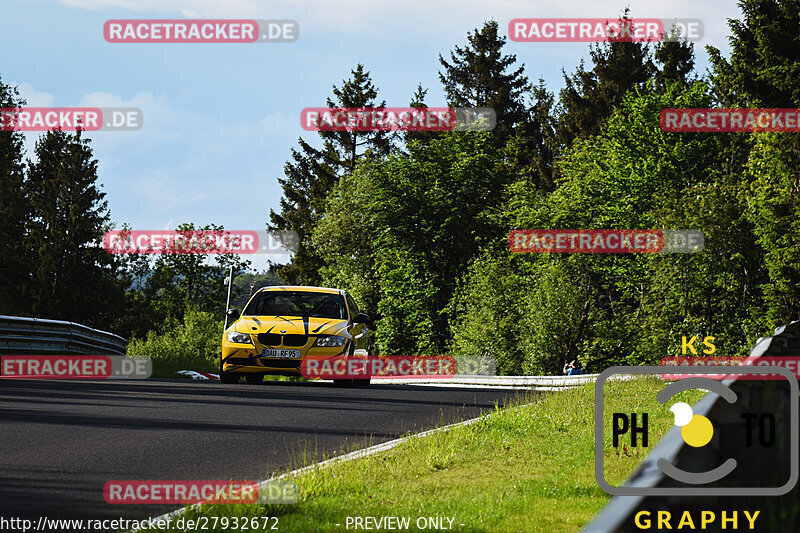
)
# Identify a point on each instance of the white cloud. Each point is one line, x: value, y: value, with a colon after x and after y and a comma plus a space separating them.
x: 33, y: 97
x: 437, y: 19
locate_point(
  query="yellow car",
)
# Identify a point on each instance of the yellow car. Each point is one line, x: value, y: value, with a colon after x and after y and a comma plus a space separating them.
x: 281, y: 325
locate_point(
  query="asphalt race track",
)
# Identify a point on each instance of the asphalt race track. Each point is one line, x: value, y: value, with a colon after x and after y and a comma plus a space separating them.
x: 63, y: 440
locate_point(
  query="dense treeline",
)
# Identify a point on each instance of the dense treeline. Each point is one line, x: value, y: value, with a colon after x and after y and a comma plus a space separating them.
x: 416, y: 226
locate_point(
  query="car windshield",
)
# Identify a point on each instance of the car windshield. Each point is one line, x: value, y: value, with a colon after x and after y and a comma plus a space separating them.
x: 300, y: 303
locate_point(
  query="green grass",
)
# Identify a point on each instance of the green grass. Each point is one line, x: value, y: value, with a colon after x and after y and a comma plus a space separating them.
x: 526, y: 467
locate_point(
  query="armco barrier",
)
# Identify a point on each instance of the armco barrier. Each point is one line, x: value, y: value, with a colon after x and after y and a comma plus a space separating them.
x: 554, y: 382
x: 618, y: 515
x: 20, y: 335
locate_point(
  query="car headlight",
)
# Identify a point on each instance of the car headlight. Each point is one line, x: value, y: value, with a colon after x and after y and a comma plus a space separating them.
x: 329, y: 342
x: 241, y: 338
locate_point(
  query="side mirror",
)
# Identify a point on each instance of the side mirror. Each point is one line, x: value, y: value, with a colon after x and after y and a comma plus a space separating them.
x: 361, y: 318
x: 233, y: 313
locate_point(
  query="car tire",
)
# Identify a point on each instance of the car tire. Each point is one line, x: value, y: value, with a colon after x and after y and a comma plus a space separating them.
x: 254, y: 379
x: 229, y: 378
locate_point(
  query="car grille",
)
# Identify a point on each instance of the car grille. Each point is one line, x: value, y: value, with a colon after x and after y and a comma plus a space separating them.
x: 269, y: 339
x: 295, y: 340
x: 273, y: 339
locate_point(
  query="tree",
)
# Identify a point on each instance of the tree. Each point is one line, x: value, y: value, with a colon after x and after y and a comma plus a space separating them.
x: 530, y: 152
x: 74, y: 278
x: 477, y: 76
x: 418, y: 102
x: 763, y: 71
x: 676, y: 60
x: 773, y: 200
x: 421, y: 219
x: 343, y: 149
x: 313, y: 172
x: 347, y: 237
x: 591, y: 96
x: 764, y: 68
x: 183, y: 281
x: 307, y: 181
x: 15, y: 213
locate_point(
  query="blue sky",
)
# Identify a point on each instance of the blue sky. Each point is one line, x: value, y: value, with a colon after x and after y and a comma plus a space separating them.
x: 220, y: 119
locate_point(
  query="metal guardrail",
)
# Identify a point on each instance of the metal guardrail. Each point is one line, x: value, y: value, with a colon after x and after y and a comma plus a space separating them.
x: 499, y: 381
x: 617, y: 516
x: 22, y: 335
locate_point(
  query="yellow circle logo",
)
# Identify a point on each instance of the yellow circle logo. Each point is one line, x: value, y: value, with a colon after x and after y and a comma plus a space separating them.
x: 696, y: 430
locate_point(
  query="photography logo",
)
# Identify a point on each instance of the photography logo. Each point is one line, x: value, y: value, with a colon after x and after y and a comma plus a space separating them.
x: 762, y: 431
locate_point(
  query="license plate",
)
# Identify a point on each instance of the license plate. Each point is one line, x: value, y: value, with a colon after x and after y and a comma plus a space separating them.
x: 281, y: 354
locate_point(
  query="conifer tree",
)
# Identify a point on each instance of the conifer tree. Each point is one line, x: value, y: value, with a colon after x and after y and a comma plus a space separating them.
x: 14, y: 215
x: 478, y: 76
x: 590, y: 96
x: 73, y: 277
x: 312, y: 173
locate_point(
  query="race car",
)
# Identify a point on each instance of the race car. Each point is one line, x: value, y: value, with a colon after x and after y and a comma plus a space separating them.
x: 281, y: 325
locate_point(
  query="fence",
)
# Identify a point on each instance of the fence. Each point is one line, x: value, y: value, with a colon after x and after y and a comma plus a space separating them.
x: 20, y: 335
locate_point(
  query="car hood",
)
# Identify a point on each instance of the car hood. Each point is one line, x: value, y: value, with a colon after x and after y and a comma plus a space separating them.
x: 292, y: 325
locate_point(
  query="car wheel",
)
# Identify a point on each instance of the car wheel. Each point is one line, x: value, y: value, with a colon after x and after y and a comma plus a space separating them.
x: 228, y: 377
x: 254, y: 379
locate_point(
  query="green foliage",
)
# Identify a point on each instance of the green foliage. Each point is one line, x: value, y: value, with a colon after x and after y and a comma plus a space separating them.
x: 346, y: 237
x: 774, y: 210
x: 764, y: 67
x: 676, y: 59
x: 179, y: 281
x: 490, y: 308
x: 192, y: 345
x: 406, y: 228
x: 528, y: 316
x: 557, y: 308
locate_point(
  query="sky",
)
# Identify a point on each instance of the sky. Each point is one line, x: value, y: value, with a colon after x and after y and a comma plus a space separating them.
x: 220, y: 120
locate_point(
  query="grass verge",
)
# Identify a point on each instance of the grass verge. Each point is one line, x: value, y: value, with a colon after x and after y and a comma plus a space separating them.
x: 526, y: 467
